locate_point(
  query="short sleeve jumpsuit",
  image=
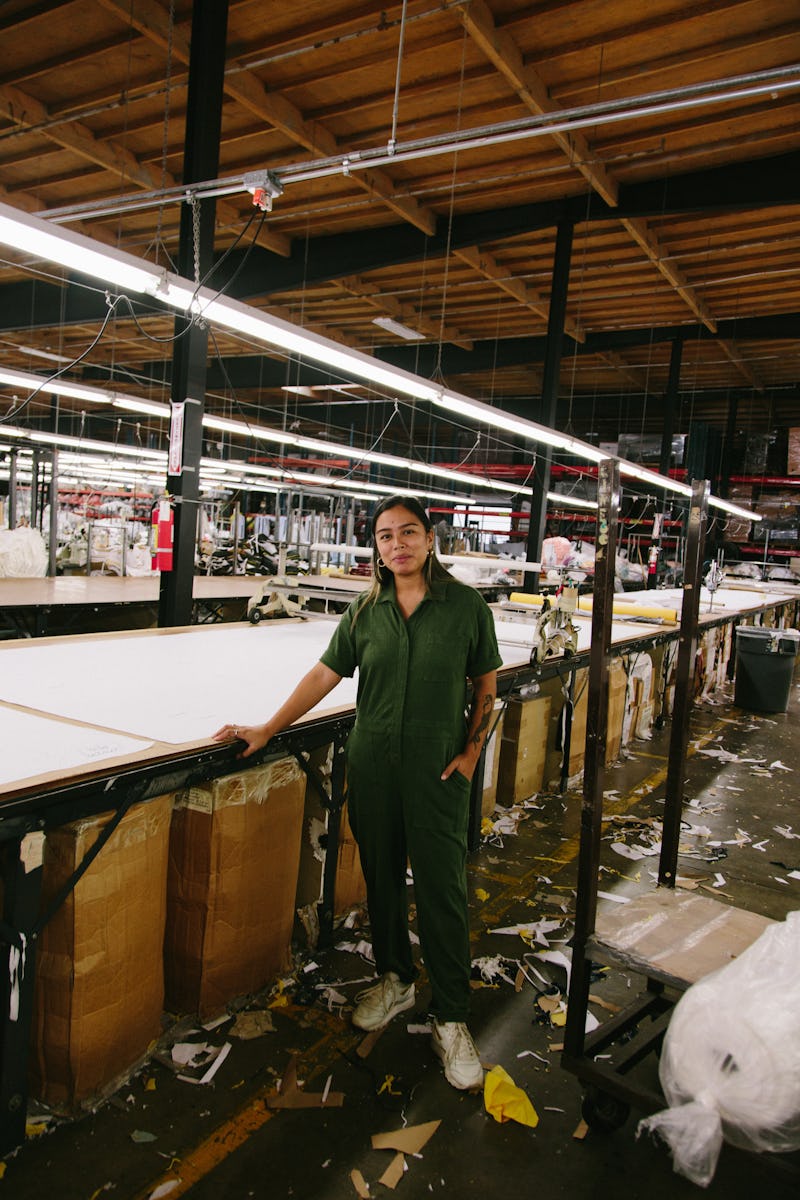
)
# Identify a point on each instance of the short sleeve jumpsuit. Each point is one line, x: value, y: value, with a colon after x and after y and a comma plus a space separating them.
x: 411, y: 720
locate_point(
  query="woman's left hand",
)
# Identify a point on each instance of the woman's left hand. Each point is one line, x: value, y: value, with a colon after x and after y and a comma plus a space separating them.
x: 463, y: 763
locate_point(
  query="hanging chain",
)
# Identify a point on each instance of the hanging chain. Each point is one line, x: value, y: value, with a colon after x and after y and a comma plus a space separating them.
x: 195, y: 204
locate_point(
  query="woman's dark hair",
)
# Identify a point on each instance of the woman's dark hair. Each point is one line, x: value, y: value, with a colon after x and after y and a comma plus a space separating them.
x: 381, y: 575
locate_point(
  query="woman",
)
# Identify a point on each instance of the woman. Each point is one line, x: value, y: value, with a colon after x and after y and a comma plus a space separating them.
x: 415, y: 637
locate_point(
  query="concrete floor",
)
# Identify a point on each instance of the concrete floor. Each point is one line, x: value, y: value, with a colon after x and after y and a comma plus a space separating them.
x: 220, y: 1140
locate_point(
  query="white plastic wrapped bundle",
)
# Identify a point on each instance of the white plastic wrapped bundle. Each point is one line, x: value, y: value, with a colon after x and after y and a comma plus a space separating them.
x: 22, y: 554
x: 730, y: 1066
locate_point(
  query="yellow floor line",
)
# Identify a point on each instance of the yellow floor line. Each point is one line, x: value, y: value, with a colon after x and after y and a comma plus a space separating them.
x: 200, y: 1161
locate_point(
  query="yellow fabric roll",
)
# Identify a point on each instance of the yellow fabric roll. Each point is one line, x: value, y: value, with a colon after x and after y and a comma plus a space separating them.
x: 621, y: 608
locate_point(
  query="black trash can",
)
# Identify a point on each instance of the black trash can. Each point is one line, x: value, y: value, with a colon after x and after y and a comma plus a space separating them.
x: 764, y: 667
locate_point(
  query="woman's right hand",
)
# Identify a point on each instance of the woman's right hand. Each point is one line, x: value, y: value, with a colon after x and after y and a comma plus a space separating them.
x: 254, y: 736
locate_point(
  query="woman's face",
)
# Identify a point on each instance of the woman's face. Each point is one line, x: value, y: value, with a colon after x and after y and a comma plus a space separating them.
x: 402, y: 542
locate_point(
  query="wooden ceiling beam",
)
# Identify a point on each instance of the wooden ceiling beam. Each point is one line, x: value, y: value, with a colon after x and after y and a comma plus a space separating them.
x: 247, y: 89
x: 24, y: 110
x: 487, y: 266
x: 501, y: 49
x: 680, y: 61
x: 732, y: 352
x: 625, y: 370
x: 644, y: 237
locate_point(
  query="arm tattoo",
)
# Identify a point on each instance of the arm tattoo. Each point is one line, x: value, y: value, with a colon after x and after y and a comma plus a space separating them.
x: 486, y: 716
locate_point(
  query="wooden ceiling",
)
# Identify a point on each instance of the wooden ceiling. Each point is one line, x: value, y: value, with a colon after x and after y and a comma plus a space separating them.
x: 686, y: 213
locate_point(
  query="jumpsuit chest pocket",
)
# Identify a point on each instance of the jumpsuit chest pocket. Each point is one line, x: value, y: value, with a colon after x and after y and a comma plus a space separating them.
x: 441, y: 657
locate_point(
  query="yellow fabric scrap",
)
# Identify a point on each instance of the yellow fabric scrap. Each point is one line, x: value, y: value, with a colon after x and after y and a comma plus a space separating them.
x: 34, y: 1129
x: 482, y: 895
x: 487, y: 827
x: 505, y: 1101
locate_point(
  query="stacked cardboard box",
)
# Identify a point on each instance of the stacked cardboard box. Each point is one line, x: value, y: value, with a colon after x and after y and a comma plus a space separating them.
x: 617, y: 688
x: 523, y: 749
x: 99, y: 990
x: 233, y: 858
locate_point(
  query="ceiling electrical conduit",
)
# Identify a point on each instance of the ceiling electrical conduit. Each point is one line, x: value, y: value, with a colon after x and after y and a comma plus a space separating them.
x: 721, y: 91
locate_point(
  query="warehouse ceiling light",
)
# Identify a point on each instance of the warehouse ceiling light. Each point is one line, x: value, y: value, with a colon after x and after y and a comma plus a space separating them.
x: 22, y: 231
x: 570, y: 501
x: 246, y: 429
x: 53, y: 386
x: 404, y: 331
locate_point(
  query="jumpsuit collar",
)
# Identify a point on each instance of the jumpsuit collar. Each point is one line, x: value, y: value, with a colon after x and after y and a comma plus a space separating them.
x: 437, y: 591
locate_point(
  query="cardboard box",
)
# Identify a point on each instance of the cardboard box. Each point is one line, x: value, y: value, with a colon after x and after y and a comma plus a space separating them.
x: 99, y: 989
x: 233, y: 857
x: 351, y: 887
x: 523, y: 749
x: 617, y: 688
x: 617, y: 691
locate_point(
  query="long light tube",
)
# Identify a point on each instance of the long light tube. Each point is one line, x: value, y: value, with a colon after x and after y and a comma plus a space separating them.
x: 257, y: 432
x: 130, y: 273
x: 35, y: 236
x: 31, y: 235
x: 570, y: 501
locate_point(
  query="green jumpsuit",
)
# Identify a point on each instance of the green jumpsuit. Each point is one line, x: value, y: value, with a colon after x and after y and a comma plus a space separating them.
x: 411, y: 720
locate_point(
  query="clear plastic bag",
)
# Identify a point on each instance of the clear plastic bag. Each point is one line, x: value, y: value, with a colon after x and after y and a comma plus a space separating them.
x: 730, y: 1066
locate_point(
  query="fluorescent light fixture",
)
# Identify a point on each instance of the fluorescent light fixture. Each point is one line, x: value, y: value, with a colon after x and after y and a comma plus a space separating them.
x: 531, y: 430
x: 397, y: 327
x: 149, y: 408
x: 36, y: 237
x: 263, y: 327
x: 34, y: 352
x: 259, y: 432
x: 633, y: 471
x: 63, y: 439
x: 735, y: 509
x: 571, y: 501
x: 57, y: 387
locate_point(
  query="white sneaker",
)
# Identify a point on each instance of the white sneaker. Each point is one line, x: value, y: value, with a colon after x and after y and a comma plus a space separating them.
x: 452, y: 1042
x: 378, y: 1004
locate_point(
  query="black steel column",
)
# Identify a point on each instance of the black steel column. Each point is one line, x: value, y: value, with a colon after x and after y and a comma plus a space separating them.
x: 53, y: 531
x: 34, y: 510
x: 595, y: 759
x: 190, y: 357
x: 670, y: 409
x: 727, y: 449
x: 684, y: 681
x: 549, y: 400
x: 670, y: 405
x: 12, y: 489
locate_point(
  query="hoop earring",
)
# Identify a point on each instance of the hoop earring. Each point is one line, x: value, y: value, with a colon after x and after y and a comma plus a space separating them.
x: 381, y: 563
